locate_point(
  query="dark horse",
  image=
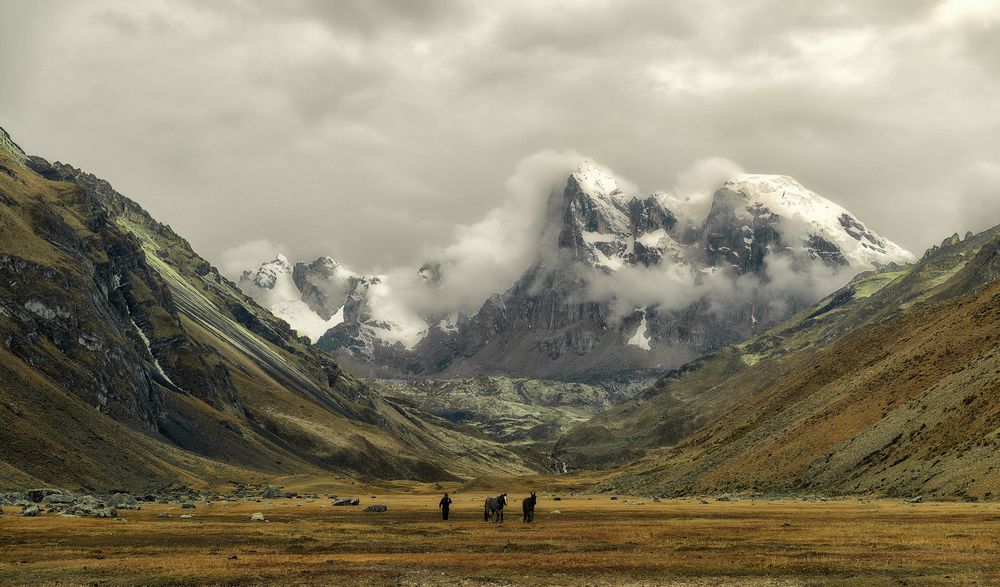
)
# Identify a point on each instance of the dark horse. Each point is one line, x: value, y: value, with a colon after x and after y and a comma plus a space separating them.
x: 493, y: 510
x: 528, y: 505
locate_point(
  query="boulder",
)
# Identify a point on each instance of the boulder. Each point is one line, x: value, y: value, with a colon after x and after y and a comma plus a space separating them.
x: 123, y: 501
x: 258, y: 517
x: 31, y: 511
x: 187, y: 505
x: 377, y: 507
x: 347, y: 501
x: 59, y: 499
x: 36, y: 495
x: 187, y: 516
x: 11, y: 497
x: 85, y: 510
x: 272, y: 492
x: 724, y: 497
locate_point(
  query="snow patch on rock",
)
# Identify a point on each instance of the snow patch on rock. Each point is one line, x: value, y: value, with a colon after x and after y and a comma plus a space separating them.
x: 641, y: 337
x: 271, y: 285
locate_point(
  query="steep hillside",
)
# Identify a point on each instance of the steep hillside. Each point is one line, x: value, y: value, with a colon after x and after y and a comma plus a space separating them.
x: 890, y: 385
x: 128, y: 360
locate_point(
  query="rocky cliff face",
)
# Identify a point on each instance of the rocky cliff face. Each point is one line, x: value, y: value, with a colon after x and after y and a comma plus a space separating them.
x: 621, y: 282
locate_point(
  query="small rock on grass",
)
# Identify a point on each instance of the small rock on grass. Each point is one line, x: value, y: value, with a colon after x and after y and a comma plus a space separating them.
x: 377, y: 507
x: 187, y: 516
x: 258, y: 517
x: 30, y: 511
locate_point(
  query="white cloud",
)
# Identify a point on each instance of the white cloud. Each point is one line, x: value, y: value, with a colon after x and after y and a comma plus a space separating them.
x: 367, y: 130
x: 487, y: 256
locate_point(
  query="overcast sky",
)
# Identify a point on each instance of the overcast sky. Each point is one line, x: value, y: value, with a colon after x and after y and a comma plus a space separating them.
x: 371, y: 131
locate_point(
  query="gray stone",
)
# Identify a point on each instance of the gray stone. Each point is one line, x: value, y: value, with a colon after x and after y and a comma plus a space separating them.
x: 98, y: 510
x: 36, y: 495
x: 258, y: 517
x: 31, y: 511
x: 123, y: 501
x: 347, y: 501
x: 59, y: 499
x: 11, y: 497
x: 377, y: 507
x: 272, y: 492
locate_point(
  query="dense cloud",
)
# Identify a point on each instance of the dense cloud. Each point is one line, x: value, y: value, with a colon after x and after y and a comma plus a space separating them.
x: 370, y: 130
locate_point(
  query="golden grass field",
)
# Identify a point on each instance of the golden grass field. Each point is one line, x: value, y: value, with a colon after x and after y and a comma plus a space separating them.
x: 592, y: 541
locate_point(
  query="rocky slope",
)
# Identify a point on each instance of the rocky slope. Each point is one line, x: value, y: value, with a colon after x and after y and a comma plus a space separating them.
x: 890, y: 385
x: 128, y: 361
x: 516, y: 411
x: 621, y: 282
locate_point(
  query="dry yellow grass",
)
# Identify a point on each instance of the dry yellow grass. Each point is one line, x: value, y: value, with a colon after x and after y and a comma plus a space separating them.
x: 592, y: 541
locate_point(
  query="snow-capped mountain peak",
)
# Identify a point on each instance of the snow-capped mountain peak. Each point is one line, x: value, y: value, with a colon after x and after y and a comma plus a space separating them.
x: 272, y: 286
x: 267, y: 275
x: 817, y: 222
x: 598, y: 182
x: 620, y: 280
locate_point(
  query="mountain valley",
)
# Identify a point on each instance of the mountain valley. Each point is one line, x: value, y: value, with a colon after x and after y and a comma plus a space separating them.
x: 673, y: 346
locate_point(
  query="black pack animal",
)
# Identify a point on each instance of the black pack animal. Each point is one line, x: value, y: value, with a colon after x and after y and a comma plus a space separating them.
x: 493, y: 510
x: 528, y: 505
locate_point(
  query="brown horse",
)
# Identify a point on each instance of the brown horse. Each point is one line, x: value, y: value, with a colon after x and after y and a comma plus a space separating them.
x: 528, y: 505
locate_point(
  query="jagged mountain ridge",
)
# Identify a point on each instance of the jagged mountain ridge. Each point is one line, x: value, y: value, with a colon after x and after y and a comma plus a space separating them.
x: 128, y: 361
x: 570, y: 315
x: 888, y: 385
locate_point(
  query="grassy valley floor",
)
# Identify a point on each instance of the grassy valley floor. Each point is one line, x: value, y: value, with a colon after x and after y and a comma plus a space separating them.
x: 592, y: 540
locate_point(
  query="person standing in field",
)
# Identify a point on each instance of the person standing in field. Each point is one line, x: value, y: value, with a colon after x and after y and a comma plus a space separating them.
x: 444, y: 504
